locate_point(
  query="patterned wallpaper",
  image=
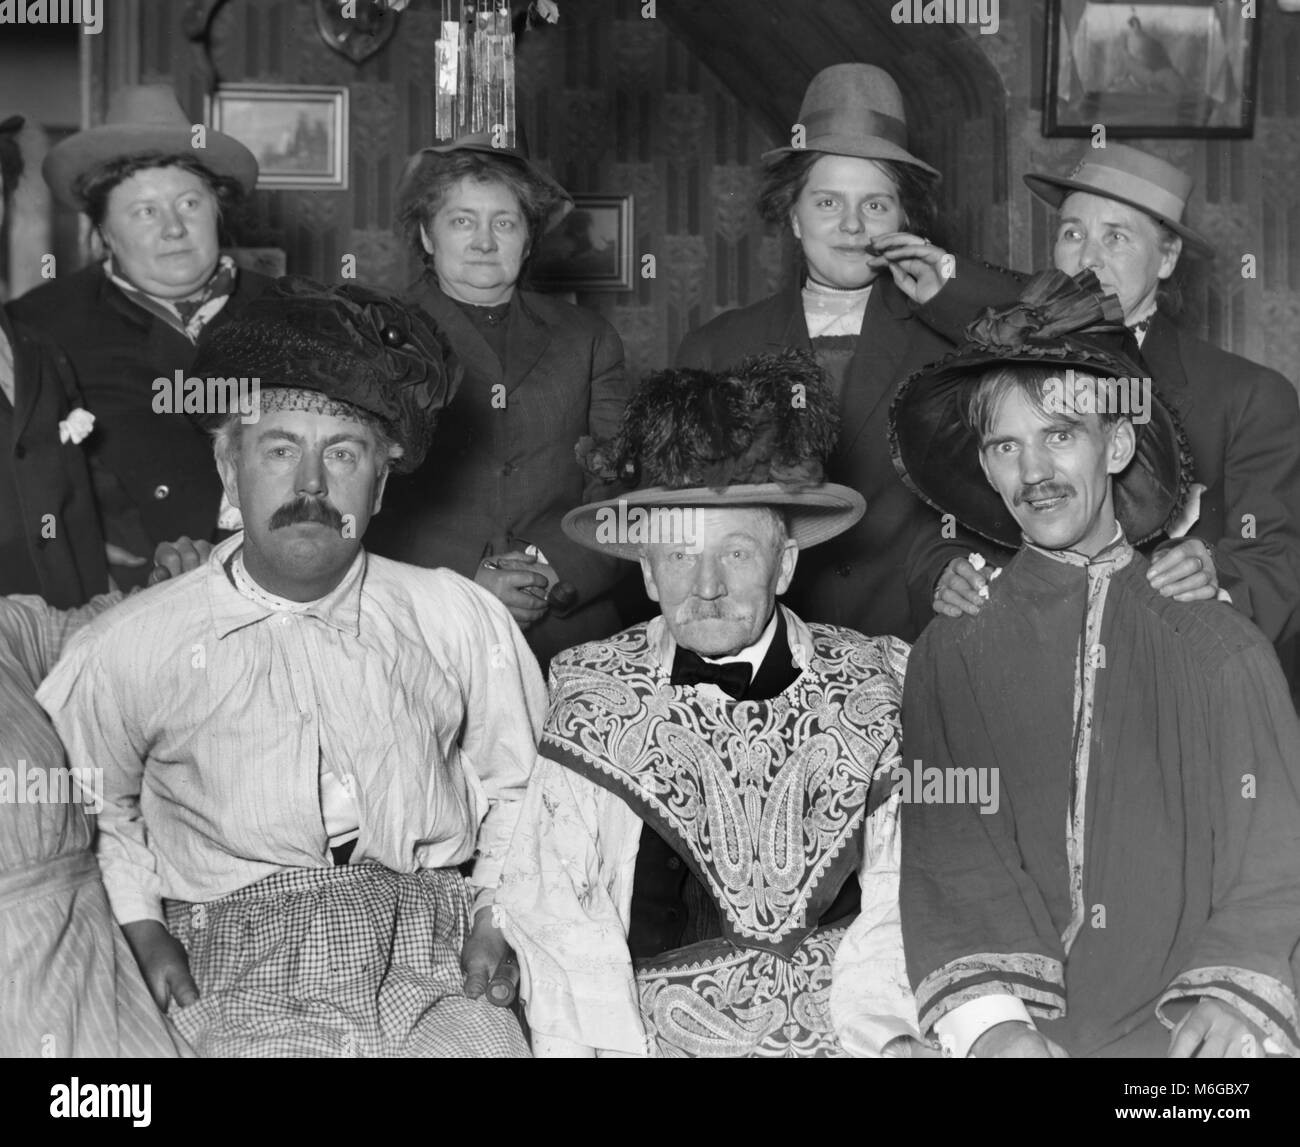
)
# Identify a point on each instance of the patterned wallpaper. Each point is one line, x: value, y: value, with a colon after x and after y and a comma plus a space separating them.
x: 618, y: 104
x: 612, y: 102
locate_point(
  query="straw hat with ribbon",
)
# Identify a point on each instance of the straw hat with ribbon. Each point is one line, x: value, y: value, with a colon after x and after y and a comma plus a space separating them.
x: 854, y: 110
x: 142, y: 118
x: 758, y: 434
x: 1129, y: 176
x: 1059, y: 322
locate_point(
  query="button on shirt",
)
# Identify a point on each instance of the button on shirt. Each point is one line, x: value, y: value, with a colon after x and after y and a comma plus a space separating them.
x: 214, y: 714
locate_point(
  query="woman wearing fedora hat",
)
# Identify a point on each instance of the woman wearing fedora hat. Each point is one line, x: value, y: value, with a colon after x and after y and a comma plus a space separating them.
x: 155, y: 201
x: 540, y: 374
x: 851, y: 185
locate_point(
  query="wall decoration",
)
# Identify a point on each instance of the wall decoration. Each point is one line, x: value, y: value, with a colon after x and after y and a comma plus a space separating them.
x: 298, y: 133
x: 358, y: 28
x: 1150, y: 69
x: 591, y: 250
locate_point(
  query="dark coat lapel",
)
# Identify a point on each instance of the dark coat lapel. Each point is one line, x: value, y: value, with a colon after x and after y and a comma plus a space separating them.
x: 527, y: 338
x: 881, y: 348
x: 27, y: 378
x: 1162, y: 352
x: 475, y: 354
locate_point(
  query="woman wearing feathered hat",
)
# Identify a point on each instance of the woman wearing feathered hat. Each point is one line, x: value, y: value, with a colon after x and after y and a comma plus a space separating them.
x: 719, y: 775
x: 850, y: 191
x: 540, y: 374
x: 155, y: 192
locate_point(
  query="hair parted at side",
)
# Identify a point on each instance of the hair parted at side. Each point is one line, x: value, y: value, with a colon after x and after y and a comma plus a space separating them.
x: 95, y: 186
x: 785, y: 178
x: 1030, y: 380
x: 425, y: 186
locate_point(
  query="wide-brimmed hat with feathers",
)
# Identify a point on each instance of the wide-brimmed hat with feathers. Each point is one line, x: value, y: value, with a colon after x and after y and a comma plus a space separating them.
x: 1059, y: 322
x: 758, y: 434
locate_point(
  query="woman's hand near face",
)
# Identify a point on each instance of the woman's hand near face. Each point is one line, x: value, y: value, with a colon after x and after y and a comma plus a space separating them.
x: 920, y: 269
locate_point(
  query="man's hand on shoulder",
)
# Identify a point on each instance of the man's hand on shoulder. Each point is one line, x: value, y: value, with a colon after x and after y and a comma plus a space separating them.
x: 1015, y: 1040
x: 1185, y: 572
x: 489, y: 962
x: 963, y: 587
x: 171, y: 559
x: 163, y: 963
x: 1215, y: 1030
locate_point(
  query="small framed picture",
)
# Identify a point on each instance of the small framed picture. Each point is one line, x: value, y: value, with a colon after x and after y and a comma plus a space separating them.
x: 591, y: 250
x: 298, y: 133
x: 1183, y: 69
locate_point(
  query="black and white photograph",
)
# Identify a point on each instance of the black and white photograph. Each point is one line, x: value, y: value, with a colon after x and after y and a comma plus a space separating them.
x: 648, y: 529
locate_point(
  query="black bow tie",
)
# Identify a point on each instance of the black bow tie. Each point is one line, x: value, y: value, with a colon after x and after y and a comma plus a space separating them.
x: 732, y: 677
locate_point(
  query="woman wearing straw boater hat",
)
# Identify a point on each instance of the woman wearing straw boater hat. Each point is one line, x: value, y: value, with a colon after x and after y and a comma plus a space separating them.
x: 1121, y: 213
x: 850, y: 192
x: 156, y: 201
x: 540, y: 374
x: 720, y: 774
x: 1119, y: 898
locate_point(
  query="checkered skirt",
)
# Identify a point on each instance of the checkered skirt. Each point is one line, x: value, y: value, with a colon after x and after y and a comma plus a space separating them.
x: 354, y: 961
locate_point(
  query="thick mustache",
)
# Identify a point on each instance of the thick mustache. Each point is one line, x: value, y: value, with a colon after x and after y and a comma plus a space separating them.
x: 1043, y: 492
x: 306, y: 509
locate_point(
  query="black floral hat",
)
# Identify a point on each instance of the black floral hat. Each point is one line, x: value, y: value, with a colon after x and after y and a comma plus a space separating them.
x: 1060, y: 322
x: 359, y: 347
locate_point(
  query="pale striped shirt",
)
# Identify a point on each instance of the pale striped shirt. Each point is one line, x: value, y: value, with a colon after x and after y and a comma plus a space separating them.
x: 212, y: 715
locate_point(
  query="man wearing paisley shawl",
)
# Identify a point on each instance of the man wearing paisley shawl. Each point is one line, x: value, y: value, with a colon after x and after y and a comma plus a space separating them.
x: 1136, y: 893
x: 304, y: 744
x: 711, y: 819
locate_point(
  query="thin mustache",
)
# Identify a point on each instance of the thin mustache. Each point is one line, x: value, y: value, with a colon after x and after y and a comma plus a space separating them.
x: 306, y: 510
x: 1039, y: 492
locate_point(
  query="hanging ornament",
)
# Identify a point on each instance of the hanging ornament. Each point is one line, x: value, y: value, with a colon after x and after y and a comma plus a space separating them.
x: 475, y: 87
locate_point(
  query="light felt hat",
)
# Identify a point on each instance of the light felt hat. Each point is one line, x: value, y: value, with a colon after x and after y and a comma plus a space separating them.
x: 735, y: 438
x: 854, y: 110
x: 1129, y: 176
x: 143, y: 117
x: 481, y: 142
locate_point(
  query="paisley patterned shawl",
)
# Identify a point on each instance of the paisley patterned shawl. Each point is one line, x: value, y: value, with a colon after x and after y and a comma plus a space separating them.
x: 765, y: 800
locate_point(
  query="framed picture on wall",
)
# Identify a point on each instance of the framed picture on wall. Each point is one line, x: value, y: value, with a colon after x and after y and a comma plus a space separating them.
x: 591, y: 250
x: 298, y: 133
x: 1150, y: 69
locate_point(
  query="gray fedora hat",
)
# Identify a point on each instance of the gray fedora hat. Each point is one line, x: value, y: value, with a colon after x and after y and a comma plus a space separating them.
x: 855, y: 110
x: 143, y: 117
x: 1128, y: 176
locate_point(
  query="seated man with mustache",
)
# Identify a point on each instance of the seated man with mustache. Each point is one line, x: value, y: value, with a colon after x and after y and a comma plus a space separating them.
x: 1137, y: 891
x: 682, y: 879
x: 302, y: 742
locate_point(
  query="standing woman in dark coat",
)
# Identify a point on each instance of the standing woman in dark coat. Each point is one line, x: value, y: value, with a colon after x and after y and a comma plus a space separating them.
x: 853, y: 182
x: 156, y: 201
x: 50, y: 540
x: 540, y: 375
